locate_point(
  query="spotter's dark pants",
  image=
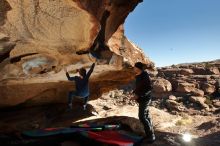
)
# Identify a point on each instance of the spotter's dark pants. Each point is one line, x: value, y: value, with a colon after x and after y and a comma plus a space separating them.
x: 144, y: 116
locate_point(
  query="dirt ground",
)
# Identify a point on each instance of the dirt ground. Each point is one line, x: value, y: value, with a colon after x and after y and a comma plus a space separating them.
x: 169, y: 128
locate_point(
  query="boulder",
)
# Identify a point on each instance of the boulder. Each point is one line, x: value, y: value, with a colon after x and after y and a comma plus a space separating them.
x: 200, y: 71
x: 200, y: 100
x: 185, y: 87
x: 169, y: 72
x: 197, y: 92
x: 162, y: 85
x: 14, y: 71
x: 208, y: 88
x: 3, y: 37
x: 218, y: 83
x: 175, y: 82
x: 172, y: 97
x: 206, y: 71
x: 213, y: 71
x: 174, y: 106
x: 34, y: 93
x: 161, y: 95
x: 65, y: 33
x: 186, y: 72
x: 39, y: 38
x: 121, y: 46
x: 203, y: 78
x: 216, y: 103
x: 212, y: 82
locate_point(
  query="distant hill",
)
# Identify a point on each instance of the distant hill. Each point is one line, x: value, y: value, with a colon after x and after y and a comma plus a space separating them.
x: 214, y: 62
x: 217, y: 60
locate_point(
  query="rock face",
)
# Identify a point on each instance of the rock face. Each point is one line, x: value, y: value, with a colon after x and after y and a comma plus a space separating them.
x: 196, y: 83
x: 197, y: 92
x: 199, y: 100
x: 162, y: 85
x: 56, y: 31
x: 40, y: 37
x: 173, y: 105
x: 185, y: 87
x: 208, y: 88
x: 121, y: 46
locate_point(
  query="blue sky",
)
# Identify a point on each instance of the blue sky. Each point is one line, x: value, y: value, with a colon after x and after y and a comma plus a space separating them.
x: 176, y: 31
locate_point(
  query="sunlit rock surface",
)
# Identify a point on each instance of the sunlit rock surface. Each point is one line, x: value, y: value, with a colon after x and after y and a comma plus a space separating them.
x: 38, y: 38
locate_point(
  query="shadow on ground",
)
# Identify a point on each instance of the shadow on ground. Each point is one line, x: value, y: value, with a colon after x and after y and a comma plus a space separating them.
x: 26, y: 118
x: 14, y: 121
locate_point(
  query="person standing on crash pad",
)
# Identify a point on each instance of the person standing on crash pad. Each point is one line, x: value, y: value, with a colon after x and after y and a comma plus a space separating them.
x: 82, y: 85
x: 142, y: 94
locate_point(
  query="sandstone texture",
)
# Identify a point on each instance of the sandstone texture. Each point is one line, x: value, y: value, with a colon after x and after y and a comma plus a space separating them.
x: 38, y: 38
x: 194, y: 85
x: 162, y: 85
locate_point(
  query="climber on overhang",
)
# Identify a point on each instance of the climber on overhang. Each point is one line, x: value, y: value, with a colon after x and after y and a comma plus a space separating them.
x: 82, y: 85
x: 142, y: 94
